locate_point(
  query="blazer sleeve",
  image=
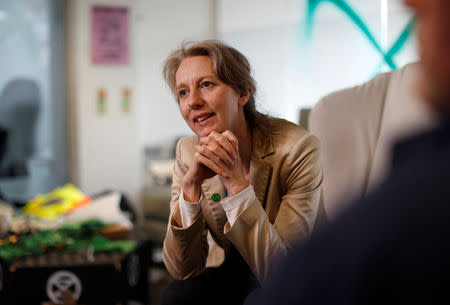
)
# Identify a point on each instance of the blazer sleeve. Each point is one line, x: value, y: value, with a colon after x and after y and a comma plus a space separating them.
x: 259, y: 241
x: 185, y: 249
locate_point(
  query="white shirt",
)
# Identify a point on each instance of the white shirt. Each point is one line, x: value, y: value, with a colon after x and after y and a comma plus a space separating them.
x: 233, y: 206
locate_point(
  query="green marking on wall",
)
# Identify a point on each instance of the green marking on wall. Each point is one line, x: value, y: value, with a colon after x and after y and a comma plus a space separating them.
x: 386, y: 56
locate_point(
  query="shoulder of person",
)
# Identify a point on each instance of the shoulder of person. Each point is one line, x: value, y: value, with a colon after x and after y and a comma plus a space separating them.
x: 288, y: 133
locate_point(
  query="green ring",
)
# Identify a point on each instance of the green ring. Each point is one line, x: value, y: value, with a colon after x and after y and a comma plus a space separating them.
x: 215, y: 197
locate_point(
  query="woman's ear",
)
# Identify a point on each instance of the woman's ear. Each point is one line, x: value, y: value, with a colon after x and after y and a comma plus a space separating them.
x: 243, y: 99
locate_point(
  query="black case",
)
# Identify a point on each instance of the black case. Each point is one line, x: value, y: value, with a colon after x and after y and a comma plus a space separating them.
x: 96, y: 280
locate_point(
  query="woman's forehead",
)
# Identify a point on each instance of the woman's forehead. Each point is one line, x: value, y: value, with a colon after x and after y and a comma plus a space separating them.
x: 193, y: 68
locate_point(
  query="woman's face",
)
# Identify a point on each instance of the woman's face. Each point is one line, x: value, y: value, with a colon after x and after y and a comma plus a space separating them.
x: 206, y: 103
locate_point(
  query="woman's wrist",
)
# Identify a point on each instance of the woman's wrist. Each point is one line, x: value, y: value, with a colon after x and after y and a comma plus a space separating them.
x: 234, y: 189
x: 191, y: 190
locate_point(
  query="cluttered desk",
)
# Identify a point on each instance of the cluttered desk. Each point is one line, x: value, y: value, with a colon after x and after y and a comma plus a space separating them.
x: 65, y: 247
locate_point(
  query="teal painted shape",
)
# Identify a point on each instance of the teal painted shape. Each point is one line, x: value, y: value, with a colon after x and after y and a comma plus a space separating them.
x: 388, y: 57
x: 402, y: 38
x: 399, y: 43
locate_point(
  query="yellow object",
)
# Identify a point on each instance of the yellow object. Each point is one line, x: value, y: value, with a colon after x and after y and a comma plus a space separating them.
x: 60, y: 201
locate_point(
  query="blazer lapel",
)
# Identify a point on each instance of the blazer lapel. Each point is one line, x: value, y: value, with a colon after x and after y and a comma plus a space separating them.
x: 260, y: 167
x: 260, y: 171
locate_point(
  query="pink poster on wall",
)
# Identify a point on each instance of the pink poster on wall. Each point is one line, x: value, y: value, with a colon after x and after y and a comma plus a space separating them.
x: 110, y: 35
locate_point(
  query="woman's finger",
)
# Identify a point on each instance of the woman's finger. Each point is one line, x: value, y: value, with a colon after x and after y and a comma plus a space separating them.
x: 232, y: 139
x: 199, y: 169
x: 220, y: 140
x: 218, y: 150
x: 225, y: 143
x: 215, y: 153
x: 210, y: 164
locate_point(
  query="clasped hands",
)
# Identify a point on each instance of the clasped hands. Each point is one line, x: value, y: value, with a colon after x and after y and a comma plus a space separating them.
x: 217, y: 153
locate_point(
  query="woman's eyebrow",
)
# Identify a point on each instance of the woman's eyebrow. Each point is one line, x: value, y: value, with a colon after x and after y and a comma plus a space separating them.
x: 183, y: 84
x: 180, y: 86
x: 206, y: 76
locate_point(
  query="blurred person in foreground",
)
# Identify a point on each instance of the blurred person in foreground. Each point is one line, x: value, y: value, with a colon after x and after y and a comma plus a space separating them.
x: 245, y: 188
x: 394, y: 246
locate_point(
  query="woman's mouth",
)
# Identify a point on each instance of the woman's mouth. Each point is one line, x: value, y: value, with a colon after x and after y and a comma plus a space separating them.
x: 203, y: 118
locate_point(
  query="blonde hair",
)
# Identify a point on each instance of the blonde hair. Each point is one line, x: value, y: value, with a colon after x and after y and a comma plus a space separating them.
x: 229, y: 65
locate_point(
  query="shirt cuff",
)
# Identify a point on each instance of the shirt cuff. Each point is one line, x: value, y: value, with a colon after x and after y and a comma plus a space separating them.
x: 188, y: 210
x: 236, y: 204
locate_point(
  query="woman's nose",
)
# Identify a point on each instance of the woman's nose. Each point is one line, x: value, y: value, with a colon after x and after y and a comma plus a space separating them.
x: 195, y: 100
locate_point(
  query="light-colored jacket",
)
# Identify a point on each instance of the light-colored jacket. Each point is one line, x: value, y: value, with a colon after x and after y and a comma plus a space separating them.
x: 286, y: 174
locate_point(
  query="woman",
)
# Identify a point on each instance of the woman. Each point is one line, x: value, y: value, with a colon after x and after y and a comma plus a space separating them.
x: 245, y: 188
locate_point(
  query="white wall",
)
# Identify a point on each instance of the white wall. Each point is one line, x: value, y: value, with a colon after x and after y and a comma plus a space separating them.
x: 105, y: 147
x: 106, y: 150
x: 163, y: 25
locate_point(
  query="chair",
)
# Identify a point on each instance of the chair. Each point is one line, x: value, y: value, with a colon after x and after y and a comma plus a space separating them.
x: 357, y: 128
x: 19, y: 108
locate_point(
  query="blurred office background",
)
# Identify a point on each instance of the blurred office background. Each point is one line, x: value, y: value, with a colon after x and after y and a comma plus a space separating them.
x: 96, y: 125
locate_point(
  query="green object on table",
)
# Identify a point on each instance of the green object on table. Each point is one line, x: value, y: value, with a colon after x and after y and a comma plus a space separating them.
x: 74, y: 237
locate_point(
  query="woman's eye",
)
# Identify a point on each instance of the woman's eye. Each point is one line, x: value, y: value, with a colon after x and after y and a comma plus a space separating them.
x: 182, y: 93
x: 207, y: 84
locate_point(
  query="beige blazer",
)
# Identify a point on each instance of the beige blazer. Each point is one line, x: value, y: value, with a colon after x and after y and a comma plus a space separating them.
x: 286, y: 174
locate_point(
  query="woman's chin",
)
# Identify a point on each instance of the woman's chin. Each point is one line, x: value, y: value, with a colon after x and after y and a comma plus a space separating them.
x: 204, y: 132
